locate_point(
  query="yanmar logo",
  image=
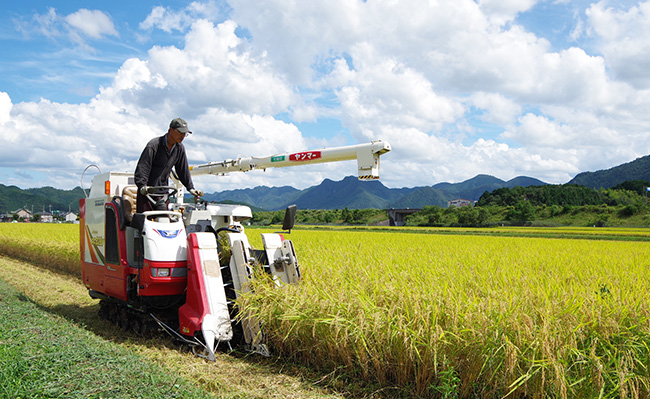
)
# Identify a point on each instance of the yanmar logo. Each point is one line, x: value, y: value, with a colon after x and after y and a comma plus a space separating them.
x: 305, y: 156
x: 168, y: 233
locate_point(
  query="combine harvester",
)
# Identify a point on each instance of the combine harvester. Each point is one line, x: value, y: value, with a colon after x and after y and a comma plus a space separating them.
x: 169, y: 268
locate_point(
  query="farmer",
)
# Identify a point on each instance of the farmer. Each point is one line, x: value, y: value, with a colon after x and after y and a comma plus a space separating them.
x: 160, y: 155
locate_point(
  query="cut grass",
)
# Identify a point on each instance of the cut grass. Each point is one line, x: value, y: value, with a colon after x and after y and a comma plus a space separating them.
x: 64, y: 298
x: 44, y: 355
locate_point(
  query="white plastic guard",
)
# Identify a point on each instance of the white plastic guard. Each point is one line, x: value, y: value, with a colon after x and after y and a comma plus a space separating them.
x: 216, y: 325
x: 286, y: 268
x: 165, y: 240
x: 293, y: 270
x: 241, y: 274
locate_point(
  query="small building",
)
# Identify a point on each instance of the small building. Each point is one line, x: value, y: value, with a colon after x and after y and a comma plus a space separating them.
x: 23, y: 214
x: 70, y: 217
x: 45, y: 217
x: 457, y: 203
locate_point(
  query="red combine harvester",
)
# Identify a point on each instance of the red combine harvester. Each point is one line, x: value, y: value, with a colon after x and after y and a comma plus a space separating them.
x: 181, y: 267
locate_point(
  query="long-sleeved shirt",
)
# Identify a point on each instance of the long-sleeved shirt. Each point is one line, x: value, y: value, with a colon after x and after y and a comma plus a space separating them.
x: 156, y: 163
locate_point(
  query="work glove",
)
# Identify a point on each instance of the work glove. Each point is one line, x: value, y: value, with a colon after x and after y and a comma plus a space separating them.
x: 144, y: 190
x: 196, y: 193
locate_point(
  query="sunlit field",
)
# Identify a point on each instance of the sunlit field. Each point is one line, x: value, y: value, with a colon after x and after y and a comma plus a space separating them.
x: 54, y: 246
x: 482, y: 316
x: 446, y: 315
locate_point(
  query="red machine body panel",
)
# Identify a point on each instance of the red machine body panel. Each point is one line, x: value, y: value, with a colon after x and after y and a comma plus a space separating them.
x: 104, y: 266
x: 173, y: 281
x: 190, y: 315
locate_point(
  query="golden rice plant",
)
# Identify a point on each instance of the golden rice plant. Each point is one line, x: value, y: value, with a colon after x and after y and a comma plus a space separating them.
x: 53, y: 246
x: 468, y: 316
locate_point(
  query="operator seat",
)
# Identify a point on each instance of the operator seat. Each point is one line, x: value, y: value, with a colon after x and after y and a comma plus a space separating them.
x: 129, y: 195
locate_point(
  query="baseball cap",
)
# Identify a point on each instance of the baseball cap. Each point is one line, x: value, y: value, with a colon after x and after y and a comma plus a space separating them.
x: 180, y: 125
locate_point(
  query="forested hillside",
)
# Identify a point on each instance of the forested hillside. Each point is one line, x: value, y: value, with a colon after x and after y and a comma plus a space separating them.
x: 553, y: 205
x: 639, y: 169
x: 565, y: 194
x: 39, y: 199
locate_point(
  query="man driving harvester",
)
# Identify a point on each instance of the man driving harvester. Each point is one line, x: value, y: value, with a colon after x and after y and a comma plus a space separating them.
x: 160, y: 155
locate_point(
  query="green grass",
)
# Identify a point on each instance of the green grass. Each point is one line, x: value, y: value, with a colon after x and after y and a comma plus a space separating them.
x: 238, y: 376
x: 43, y: 355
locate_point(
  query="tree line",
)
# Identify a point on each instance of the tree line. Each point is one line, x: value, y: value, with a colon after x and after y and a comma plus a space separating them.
x: 324, y: 216
x: 565, y: 204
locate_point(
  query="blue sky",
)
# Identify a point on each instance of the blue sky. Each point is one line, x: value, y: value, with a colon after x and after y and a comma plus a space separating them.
x: 542, y: 88
x: 55, y: 66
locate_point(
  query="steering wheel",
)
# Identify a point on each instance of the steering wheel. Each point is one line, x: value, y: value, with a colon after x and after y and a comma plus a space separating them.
x: 161, y: 195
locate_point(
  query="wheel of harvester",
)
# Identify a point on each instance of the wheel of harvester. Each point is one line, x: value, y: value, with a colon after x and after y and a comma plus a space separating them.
x: 123, y: 319
x: 136, y: 326
x: 113, y: 313
x: 104, y: 310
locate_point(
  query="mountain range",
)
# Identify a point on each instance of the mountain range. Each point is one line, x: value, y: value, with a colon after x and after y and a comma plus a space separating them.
x: 352, y: 193
x: 355, y: 194
x: 349, y: 192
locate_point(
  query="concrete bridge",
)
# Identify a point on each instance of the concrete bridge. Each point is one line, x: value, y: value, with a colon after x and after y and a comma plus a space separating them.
x: 397, y: 216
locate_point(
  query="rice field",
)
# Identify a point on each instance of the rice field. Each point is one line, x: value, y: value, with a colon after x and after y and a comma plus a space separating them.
x: 448, y: 315
x: 54, y: 246
x: 469, y: 316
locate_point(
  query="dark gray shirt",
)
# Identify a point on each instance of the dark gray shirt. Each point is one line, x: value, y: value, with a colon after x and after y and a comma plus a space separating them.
x: 156, y: 163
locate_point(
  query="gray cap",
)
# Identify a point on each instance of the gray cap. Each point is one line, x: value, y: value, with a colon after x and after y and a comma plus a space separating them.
x: 180, y: 125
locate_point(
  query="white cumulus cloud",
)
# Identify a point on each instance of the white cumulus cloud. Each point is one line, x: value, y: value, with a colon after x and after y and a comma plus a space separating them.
x: 93, y: 23
x: 624, y: 37
x: 417, y: 73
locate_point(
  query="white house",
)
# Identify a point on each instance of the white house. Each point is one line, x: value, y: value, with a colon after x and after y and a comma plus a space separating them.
x: 459, y: 203
x: 45, y: 217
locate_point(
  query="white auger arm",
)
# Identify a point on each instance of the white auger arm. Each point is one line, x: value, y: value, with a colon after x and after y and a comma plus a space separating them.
x: 367, y: 156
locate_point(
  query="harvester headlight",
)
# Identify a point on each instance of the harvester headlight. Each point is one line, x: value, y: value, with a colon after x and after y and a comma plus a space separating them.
x: 159, y: 272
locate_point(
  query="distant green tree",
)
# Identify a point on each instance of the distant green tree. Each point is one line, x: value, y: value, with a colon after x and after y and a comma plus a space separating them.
x: 629, y: 210
x: 638, y: 186
x: 483, y: 216
x: 328, y: 217
x: 433, y: 214
x: 346, y: 215
x: 277, y: 218
x: 601, y: 220
x: 467, y: 215
x: 523, y: 211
